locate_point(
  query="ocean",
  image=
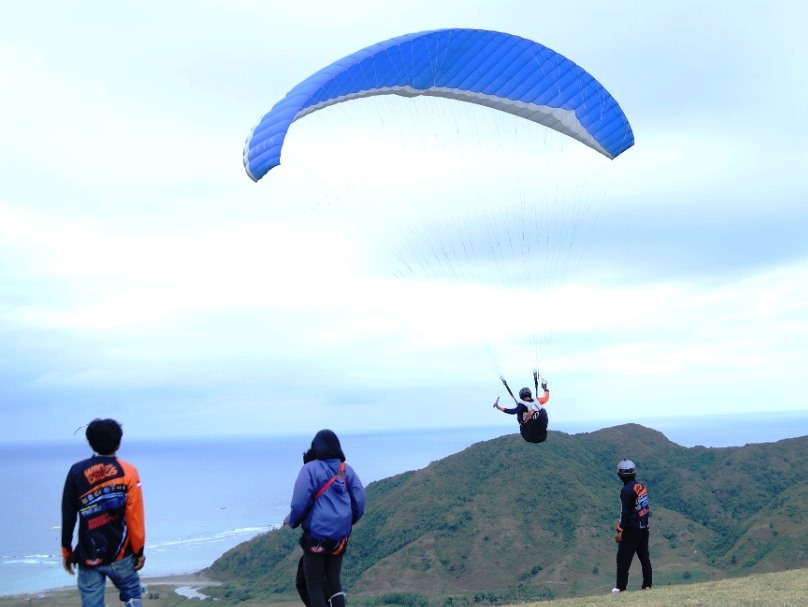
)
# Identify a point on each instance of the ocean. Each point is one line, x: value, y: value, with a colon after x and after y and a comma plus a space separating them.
x: 204, y: 496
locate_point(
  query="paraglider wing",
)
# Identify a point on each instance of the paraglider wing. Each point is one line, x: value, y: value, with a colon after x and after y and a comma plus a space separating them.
x: 494, y: 69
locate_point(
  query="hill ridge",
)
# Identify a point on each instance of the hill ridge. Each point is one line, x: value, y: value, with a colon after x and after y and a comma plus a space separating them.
x: 506, y: 520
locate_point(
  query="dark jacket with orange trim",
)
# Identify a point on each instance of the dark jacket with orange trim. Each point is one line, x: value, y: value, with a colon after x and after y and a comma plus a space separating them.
x: 104, y: 493
x: 634, y: 506
x: 521, y: 407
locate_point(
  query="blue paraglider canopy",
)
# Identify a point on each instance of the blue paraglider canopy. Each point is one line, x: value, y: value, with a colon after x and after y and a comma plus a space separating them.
x: 493, y: 69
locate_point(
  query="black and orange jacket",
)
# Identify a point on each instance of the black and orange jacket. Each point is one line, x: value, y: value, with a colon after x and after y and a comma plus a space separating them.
x: 104, y: 493
x: 634, y: 506
x: 522, y: 407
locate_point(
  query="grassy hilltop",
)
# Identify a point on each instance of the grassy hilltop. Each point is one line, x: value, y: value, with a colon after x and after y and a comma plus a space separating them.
x: 506, y: 521
x: 784, y: 589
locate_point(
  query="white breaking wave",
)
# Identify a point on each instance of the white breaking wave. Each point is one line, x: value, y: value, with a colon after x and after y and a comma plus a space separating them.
x: 208, y: 539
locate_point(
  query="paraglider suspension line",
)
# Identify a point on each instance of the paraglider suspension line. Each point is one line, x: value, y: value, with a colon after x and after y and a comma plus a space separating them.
x: 508, y: 388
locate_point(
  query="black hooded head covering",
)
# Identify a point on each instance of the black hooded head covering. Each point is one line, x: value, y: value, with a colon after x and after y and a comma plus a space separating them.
x: 325, y: 445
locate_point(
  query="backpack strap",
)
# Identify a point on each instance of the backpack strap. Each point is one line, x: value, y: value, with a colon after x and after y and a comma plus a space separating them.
x: 324, y: 488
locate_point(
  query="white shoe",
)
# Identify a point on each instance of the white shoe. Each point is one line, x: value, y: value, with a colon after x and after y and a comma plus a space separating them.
x: 616, y: 591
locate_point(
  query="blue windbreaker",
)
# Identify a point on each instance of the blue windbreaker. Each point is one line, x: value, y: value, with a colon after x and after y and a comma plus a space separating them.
x: 332, y: 515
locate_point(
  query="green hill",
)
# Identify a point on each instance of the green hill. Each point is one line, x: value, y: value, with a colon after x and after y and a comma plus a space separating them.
x: 506, y: 521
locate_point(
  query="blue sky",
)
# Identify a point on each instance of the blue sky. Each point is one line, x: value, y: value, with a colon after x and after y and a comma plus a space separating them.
x: 143, y: 276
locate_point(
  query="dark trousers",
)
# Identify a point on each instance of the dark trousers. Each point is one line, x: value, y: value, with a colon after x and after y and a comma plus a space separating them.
x: 323, y: 583
x: 635, y: 541
x: 300, y: 583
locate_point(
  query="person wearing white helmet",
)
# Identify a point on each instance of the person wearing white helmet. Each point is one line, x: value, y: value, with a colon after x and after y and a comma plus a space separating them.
x: 530, y: 414
x: 633, y: 529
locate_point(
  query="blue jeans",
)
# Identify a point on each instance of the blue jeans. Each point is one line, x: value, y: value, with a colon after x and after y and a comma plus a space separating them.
x: 91, y: 582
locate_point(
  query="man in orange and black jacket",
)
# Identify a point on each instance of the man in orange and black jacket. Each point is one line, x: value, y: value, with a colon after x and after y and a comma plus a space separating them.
x: 632, y: 530
x: 104, y: 494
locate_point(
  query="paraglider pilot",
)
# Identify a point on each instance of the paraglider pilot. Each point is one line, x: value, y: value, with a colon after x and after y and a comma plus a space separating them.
x: 530, y: 414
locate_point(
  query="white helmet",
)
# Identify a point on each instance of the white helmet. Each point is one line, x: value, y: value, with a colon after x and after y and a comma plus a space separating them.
x: 626, y: 468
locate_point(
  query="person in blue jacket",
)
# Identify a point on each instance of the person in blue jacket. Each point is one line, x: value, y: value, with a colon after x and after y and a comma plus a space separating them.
x: 327, y: 500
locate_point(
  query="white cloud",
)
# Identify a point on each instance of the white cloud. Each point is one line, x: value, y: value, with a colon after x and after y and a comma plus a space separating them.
x: 135, y: 254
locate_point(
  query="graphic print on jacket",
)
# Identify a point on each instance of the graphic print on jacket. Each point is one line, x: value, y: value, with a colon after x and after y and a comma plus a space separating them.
x: 635, y: 506
x: 641, y: 505
x: 104, y: 492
